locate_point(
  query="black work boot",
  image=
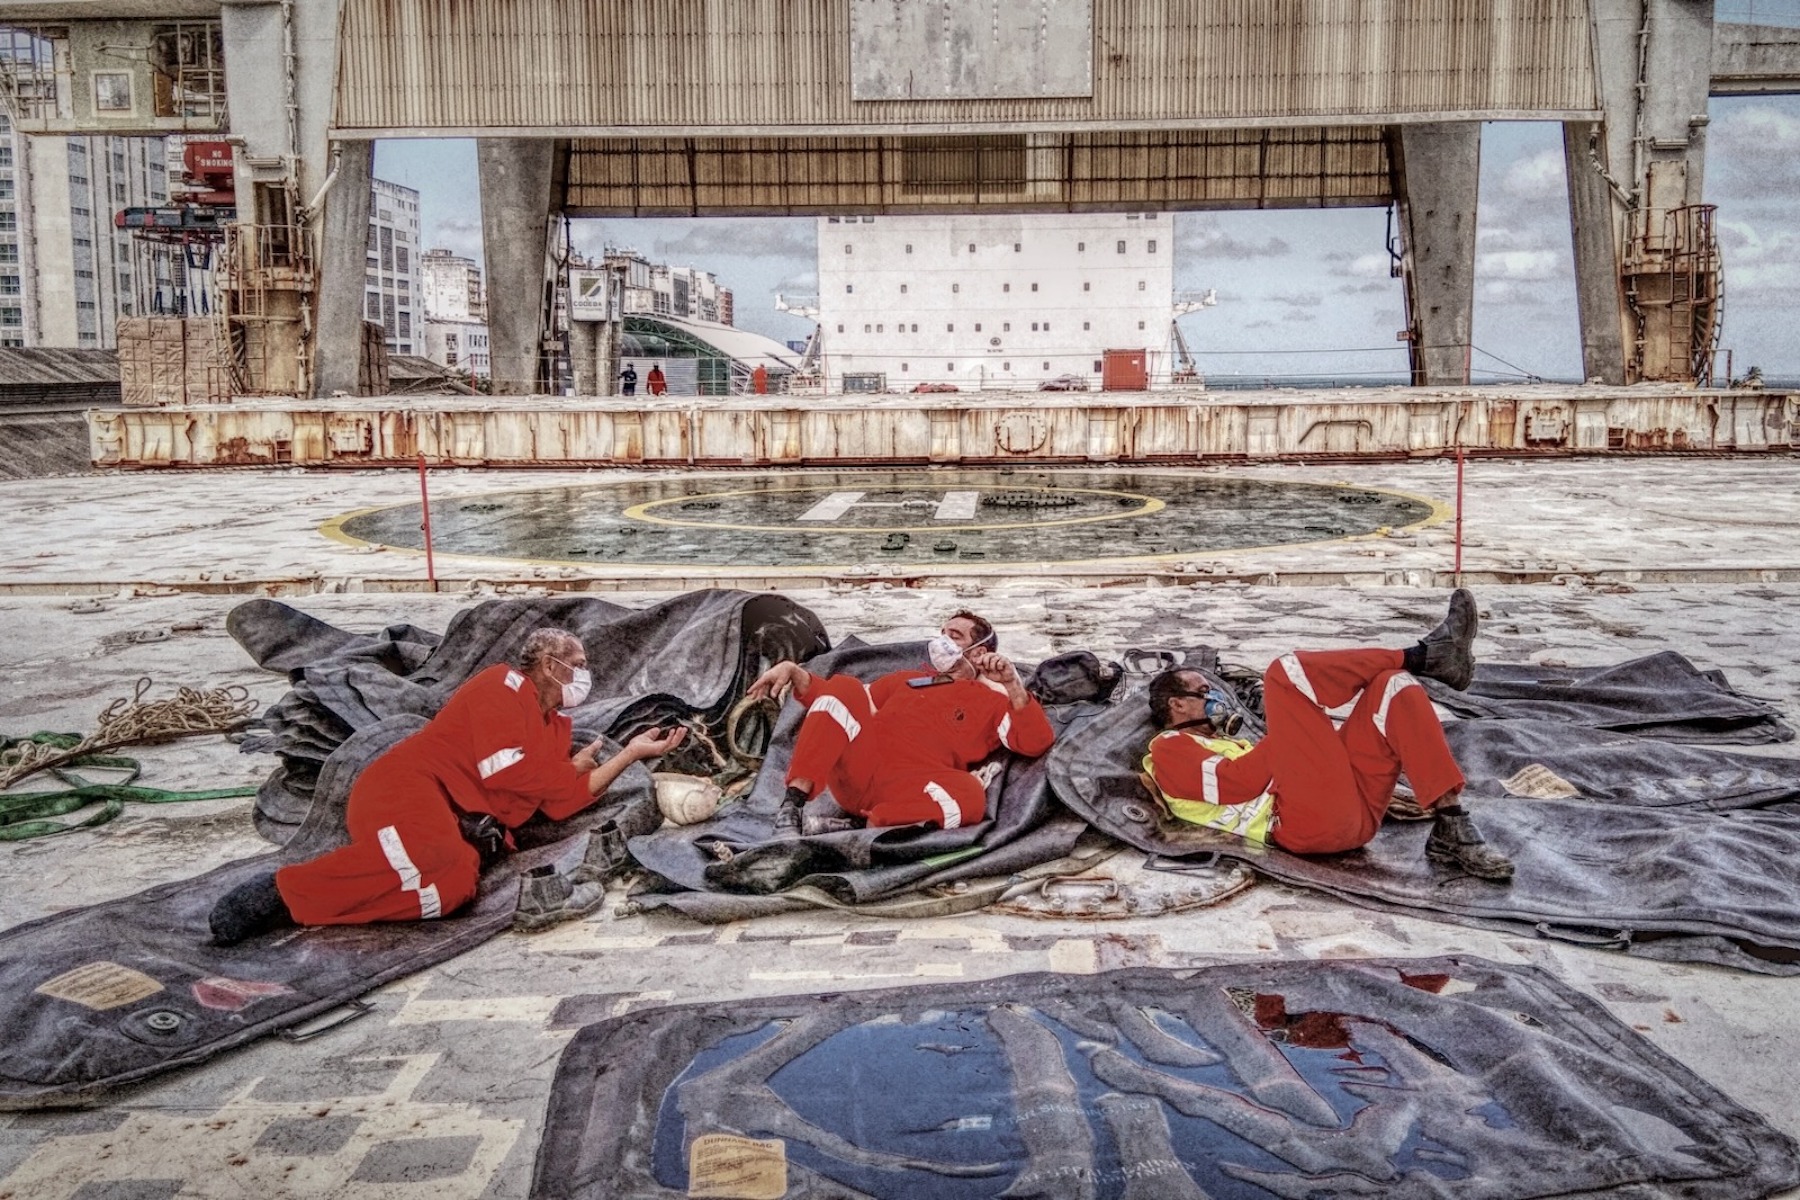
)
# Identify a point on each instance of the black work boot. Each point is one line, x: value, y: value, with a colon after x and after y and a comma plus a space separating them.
x: 605, y: 858
x: 787, y: 816
x: 1447, y: 653
x: 1455, y: 842
x: 248, y: 909
x: 546, y: 899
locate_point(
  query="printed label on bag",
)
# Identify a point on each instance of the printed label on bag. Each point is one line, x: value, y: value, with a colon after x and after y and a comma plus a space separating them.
x: 100, y: 986
x: 726, y: 1167
x: 1538, y: 782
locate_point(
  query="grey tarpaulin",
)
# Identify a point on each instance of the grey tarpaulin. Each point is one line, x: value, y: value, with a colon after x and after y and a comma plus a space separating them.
x: 1397, y: 1079
x: 1660, y: 695
x: 731, y: 867
x: 102, y: 997
x: 671, y: 659
x: 105, y: 996
x: 1667, y: 851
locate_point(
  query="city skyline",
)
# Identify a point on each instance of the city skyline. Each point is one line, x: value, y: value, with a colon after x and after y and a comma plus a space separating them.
x: 1304, y: 292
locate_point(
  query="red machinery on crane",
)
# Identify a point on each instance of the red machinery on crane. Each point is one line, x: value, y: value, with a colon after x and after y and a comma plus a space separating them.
x: 201, y: 203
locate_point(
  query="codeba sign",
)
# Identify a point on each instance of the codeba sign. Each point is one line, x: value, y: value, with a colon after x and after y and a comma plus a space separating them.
x: 587, y: 296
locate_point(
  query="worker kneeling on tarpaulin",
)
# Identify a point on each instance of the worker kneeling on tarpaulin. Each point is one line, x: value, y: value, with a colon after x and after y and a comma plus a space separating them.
x: 1320, y: 781
x: 898, y: 751
x: 427, y: 815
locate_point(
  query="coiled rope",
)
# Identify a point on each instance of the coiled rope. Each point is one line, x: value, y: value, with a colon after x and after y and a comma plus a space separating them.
x: 124, y: 722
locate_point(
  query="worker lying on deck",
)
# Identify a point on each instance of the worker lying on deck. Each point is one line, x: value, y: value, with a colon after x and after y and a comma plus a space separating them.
x: 898, y: 751
x: 1342, y: 726
x: 427, y: 815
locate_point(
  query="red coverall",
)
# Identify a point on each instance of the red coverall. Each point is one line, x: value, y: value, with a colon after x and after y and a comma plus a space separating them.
x: 897, y: 755
x: 489, y: 750
x: 1331, y: 785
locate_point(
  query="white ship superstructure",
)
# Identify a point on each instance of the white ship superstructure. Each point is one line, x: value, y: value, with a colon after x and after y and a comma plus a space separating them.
x: 992, y: 301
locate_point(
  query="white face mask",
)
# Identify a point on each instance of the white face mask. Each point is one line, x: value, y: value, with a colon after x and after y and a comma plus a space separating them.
x: 577, y: 689
x: 943, y: 653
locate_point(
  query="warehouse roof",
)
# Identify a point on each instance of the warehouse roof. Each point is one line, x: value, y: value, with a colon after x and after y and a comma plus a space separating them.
x: 41, y: 366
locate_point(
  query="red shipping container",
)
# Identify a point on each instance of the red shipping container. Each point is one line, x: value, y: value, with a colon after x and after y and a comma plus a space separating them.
x: 1125, y: 371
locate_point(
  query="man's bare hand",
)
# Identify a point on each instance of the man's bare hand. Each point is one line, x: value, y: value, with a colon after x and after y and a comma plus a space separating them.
x: 653, y: 743
x: 992, y: 665
x: 590, y: 755
x: 778, y: 681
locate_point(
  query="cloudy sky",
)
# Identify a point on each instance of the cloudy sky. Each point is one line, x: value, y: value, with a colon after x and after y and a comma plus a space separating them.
x: 1308, y: 292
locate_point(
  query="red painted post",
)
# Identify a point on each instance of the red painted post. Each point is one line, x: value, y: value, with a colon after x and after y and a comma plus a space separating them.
x: 425, y: 509
x: 1458, y: 517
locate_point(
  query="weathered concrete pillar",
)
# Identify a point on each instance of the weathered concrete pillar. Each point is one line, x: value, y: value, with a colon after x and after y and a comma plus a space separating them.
x: 517, y: 180
x: 1638, y: 320
x: 1438, y: 168
x: 584, y: 342
x: 274, y: 53
x: 341, y: 266
x: 1595, y: 227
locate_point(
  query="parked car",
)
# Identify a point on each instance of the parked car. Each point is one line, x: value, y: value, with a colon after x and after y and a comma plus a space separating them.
x: 1064, y: 383
x: 936, y: 387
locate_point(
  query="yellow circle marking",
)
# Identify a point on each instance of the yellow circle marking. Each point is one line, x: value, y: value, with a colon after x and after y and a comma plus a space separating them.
x: 641, y: 512
x: 1441, y: 511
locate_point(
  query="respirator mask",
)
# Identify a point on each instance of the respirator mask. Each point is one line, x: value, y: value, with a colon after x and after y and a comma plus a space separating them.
x: 578, y: 687
x: 944, y: 653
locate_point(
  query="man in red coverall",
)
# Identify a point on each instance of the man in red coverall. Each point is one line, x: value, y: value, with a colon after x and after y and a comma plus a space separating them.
x: 898, y: 751
x: 1342, y: 726
x: 499, y: 747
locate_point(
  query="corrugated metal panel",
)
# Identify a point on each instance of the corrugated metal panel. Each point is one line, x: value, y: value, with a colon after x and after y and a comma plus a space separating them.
x: 723, y: 66
x: 1180, y: 169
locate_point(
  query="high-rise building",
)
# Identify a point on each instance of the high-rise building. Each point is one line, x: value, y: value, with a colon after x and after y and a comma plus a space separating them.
x: 66, y: 273
x: 459, y: 345
x: 452, y: 286
x: 391, y: 289
x: 659, y: 290
x: 994, y: 301
x: 455, y: 324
